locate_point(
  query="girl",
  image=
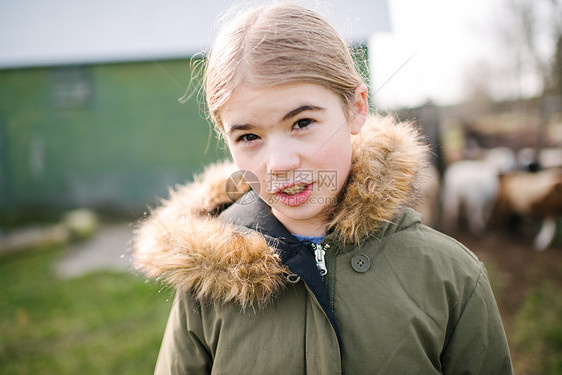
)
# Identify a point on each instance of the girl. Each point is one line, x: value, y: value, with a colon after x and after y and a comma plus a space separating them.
x: 320, y: 267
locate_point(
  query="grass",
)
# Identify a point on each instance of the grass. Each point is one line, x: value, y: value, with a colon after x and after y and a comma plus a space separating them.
x: 537, y: 332
x: 534, y: 329
x: 112, y: 323
x: 103, y: 323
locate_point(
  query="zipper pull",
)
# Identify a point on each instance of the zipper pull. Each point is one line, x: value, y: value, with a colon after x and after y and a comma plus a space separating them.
x: 319, y: 253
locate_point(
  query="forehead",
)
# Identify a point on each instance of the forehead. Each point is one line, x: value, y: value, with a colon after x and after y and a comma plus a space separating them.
x: 249, y: 103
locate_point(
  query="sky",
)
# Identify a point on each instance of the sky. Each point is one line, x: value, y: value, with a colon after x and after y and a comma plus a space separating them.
x: 425, y: 50
x: 433, y: 44
x: 36, y: 32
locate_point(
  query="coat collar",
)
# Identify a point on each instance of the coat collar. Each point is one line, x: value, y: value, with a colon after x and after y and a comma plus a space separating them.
x: 256, y: 215
x: 236, y: 257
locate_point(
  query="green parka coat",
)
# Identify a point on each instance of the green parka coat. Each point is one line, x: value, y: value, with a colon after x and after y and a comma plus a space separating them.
x: 398, y: 298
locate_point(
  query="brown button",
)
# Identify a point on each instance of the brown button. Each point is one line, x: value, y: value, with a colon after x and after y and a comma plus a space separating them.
x: 360, y: 263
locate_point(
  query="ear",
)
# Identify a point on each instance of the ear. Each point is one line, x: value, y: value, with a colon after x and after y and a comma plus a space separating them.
x: 360, y: 109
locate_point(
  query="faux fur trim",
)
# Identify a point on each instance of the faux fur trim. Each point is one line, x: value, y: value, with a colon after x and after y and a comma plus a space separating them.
x: 184, y: 244
x: 387, y: 160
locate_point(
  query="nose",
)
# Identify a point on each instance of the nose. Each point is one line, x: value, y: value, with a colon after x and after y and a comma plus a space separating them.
x: 282, y: 158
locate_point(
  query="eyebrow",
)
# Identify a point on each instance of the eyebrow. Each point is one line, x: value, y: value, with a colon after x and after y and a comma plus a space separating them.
x: 300, y: 109
x: 289, y: 115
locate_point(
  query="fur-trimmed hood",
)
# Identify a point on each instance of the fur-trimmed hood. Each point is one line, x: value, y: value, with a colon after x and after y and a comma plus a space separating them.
x: 186, y: 244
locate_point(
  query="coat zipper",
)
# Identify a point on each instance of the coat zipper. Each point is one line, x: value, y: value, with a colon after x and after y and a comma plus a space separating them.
x: 319, y: 255
x: 329, y: 280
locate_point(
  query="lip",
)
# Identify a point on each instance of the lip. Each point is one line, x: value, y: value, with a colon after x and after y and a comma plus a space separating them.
x: 287, y: 186
x: 297, y: 199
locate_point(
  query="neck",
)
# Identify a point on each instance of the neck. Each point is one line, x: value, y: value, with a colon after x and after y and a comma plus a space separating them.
x: 308, y: 228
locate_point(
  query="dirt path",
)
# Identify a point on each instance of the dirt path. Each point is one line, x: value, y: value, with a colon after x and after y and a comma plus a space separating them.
x: 107, y: 250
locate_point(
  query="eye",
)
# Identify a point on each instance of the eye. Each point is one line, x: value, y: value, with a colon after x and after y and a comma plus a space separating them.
x: 302, y: 123
x: 247, y: 138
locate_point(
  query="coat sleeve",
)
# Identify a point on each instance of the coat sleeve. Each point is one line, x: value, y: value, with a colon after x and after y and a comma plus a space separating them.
x: 183, y: 349
x: 478, y: 344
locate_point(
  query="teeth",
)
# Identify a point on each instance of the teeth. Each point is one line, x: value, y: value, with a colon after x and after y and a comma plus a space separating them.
x: 295, y: 189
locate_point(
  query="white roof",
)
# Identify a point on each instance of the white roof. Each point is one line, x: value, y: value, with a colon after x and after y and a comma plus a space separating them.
x: 60, y: 32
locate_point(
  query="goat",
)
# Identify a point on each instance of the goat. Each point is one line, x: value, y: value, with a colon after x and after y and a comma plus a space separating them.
x: 536, y: 195
x: 474, y: 184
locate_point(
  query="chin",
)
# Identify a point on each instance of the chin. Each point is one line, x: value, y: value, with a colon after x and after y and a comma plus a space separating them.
x: 303, y: 212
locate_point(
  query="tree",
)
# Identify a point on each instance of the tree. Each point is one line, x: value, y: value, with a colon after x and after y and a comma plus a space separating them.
x: 554, y: 83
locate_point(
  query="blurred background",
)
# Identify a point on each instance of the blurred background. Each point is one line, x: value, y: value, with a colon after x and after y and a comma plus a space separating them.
x: 92, y: 135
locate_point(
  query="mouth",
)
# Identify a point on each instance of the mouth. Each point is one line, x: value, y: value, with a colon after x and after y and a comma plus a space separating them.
x: 293, y: 189
x: 295, y: 194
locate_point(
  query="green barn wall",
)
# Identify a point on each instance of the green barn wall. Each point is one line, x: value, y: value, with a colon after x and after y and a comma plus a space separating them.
x: 107, y: 136
x: 110, y: 136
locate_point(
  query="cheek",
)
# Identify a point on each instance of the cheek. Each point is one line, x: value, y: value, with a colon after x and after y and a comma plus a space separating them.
x: 326, y: 156
x: 241, y: 158
x: 335, y: 156
x: 244, y: 162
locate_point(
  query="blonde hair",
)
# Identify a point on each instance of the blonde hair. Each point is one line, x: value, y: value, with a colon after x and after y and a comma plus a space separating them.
x: 278, y: 44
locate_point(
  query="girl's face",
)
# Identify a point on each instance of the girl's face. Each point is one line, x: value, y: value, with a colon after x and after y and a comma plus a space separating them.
x: 296, y: 139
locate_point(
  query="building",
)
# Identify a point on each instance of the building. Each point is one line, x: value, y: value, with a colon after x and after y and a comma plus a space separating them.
x: 89, y: 110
